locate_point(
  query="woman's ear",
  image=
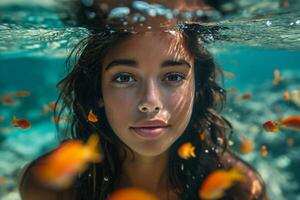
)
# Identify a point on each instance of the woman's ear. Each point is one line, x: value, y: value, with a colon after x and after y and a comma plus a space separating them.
x: 100, y: 103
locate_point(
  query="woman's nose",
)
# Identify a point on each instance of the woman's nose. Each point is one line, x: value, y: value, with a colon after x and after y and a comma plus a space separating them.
x: 150, y: 100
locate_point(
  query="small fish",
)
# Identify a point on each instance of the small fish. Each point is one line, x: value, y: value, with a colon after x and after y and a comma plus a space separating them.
x: 186, y: 151
x: 229, y: 75
x: 52, y: 106
x: 215, y: 184
x: 21, y: 123
x: 1, y: 119
x: 290, y: 122
x: 285, y: 4
x: 131, y: 193
x: 263, y: 151
x: 3, y: 180
x: 60, y: 119
x: 246, y: 146
x: 293, y: 96
x: 8, y: 100
x: 48, y: 107
x: 270, y: 126
x: 290, y: 142
x: 59, y: 169
x: 246, y: 96
x: 286, y: 96
x: 22, y: 93
x: 277, y: 77
x: 92, y: 117
x: 202, y: 136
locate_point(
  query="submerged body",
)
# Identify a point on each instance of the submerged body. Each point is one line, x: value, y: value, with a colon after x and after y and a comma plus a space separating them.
x: 251, y: 188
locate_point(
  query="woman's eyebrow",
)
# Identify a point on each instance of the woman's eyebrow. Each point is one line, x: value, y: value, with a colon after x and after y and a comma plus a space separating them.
x: 127, y: 62
x: 171, y: 63
x: 133, y: 63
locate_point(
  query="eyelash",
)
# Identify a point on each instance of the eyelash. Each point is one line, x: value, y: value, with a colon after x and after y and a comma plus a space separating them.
x: 129, y: 75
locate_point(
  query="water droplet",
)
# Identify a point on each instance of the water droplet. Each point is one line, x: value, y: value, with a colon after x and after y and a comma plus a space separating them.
x: 182, y: 167
x: 292, y: 23
x: 119, y: 12
x: 199, y: 13
x: 206, y: 151
x: 140, y: 5
x: 152, y: 12
x: 268, y: 23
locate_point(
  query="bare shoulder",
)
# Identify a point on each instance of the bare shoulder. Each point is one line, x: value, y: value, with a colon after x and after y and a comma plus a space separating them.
x: 30, y: 189
x: 253, y: 187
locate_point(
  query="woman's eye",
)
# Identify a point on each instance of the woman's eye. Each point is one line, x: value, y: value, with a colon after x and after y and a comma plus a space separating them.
x: 123, y: 78
x: 175, y: 77
x: 127, y: 78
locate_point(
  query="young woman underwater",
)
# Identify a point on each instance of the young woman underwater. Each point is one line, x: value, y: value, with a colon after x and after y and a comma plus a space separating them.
x: 158, y: 78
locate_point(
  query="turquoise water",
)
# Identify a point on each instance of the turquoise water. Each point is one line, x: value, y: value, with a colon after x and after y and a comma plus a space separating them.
x: 34, y: 44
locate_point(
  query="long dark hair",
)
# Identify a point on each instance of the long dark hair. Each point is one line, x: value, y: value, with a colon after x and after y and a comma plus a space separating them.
x: 81, y: 92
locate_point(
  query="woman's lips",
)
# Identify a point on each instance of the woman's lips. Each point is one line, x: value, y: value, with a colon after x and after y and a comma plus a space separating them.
x: 149, y: 132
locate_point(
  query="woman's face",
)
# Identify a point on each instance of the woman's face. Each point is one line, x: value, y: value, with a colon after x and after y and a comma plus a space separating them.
x: 148, y: 76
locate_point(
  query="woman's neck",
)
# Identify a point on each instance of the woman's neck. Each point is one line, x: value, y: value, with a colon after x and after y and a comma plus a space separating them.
x: 145, y: 172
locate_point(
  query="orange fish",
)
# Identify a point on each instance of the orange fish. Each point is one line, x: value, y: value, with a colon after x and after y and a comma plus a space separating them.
x: 8, y: 100
x: 59, y: 169
x: 286, y: 96
x: 270, y: 126
x: 277, y: 77
x: 21, y: 123
x: 60, y: 119
x: 290, y: 142
x: 246, y: 146
x: 263, y: 151
x: 3, y: 180
x: 285, y: 4
x: 202, y: 136
x: 246, y: 96
x: 22, y: 93
x: 186, y: 151
x: 290, y: 122
x: 92, y: 117
x: 49, y: 107
x: 229, y: 75
x: 52, y: 106
x: 1, y: 119
x: 215, y: 184
x: 131, y: 193
x: 293, y: 96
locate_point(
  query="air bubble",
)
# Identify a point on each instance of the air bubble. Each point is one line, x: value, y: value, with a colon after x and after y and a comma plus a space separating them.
x: 182, y: 167
x: 119, y: 12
